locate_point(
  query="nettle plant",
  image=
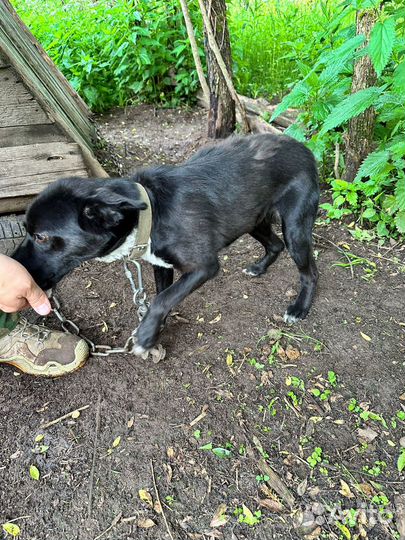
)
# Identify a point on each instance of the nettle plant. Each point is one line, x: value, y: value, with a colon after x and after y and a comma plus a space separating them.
x: 323, y: 95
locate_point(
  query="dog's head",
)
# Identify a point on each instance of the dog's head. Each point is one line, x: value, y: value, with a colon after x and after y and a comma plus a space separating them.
x: 74, y: 220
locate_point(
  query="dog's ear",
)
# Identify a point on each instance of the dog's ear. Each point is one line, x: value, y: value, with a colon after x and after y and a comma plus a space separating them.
x: 108, y: 206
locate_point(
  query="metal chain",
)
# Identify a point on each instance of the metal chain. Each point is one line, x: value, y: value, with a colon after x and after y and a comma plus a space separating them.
x: 138, y: 298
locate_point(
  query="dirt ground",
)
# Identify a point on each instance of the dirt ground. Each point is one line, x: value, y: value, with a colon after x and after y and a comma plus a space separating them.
x: 249, y: 429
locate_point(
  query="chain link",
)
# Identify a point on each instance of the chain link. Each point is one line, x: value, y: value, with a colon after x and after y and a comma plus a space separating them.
x: 139, y: 298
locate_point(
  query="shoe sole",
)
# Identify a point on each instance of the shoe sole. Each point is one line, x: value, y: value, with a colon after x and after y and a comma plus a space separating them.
x: 50, y: 369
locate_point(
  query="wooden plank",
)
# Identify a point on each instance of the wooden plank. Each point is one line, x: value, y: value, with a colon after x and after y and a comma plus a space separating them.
x: 34, y: 134
x: 23, y: 114
x: 23, y: 167
x: 42, y: 77
x: 33, y: 184
x: 4, y: 62
x: 19, y: 203
x: 12, y: 89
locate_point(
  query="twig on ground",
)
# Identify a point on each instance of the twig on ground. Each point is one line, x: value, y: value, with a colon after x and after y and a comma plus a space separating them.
x: 342, y: 251
x: 158, y: 499
x: 68, y: 415
x: 93, y: 463
x: 113, y: 524
x: 200, y: 416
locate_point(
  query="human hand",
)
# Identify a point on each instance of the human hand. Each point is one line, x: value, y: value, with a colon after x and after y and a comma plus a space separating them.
x: 18, y: 290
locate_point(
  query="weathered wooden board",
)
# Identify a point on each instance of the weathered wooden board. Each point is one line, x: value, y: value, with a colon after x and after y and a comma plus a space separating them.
x: 24, y: 135
x: 22, y: 168
x: 42, y: 78
x: 17, y: 105
x: 4, y: 62
x: 23, y: 114
x: 12, y: 89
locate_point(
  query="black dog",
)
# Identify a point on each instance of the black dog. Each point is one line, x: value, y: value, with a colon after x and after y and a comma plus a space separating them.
x: 199, y: 207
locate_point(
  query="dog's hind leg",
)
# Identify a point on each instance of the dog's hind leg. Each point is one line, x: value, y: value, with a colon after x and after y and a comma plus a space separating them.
x: 163, y: 277
x: 272, y: 244
x: 297, y: 230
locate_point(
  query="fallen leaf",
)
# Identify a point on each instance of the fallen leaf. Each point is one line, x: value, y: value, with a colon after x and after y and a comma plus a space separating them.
x: 170, y: 452
x: 365, y: 336
x: 145, y: 523
x: 104, y: 327
x: 367, y: 434
x: 229, y: 359
x: 219, y: 518
x: 112, y: 305
x: 39, y: 437
x: 315, y: 534
x: 130, y: 422
x: 12, y: 528
x: 345, y: 490
x: 75, y: 414
x: 116, y: 441
x: 292, y: 354
x: 157, y: 507
x: 302, y: 487
x: 366, y: 489
x: 34, y: 472
x: 271, y: 505
x: 145, y: 496
x: 217, y: 319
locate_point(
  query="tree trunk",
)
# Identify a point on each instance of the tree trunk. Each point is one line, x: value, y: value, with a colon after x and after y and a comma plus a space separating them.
x: 359, y: 138
x: 221, y: 115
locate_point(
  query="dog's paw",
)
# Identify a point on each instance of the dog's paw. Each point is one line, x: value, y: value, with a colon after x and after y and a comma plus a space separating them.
x: 138, y: 350
x: 254, y: 270
x: 294, y: 314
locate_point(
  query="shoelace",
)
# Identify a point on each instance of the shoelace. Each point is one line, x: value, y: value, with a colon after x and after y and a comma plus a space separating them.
x: 28, y: 330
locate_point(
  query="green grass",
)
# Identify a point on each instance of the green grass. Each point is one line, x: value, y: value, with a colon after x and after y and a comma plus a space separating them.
x: 118, y: 52
x: 270, y: 39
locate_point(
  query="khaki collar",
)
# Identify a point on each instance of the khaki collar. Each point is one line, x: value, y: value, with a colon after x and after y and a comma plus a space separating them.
x: 144, y: 226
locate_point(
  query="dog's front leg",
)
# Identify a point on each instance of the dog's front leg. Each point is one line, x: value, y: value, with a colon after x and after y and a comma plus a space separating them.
x: 165, y: 301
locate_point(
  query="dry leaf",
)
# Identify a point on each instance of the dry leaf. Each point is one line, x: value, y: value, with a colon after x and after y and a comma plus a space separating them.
x: 367, y: 434
x: 116, y: 441
x: 302, y: 487
x: 365, y: 336
x: 229, y: 359
x: 366, y: 489
x: 169, y: 472
x: 145, y: 523
x: 157, y: 507
x: 271, y: 505
x: 345, y: 490
x: 217, y: 319
x: 145, y: 496
x: 315, y: 534
x: 75, y: 414
x: 131, y: 422
x: 170, y: 452
x: 219, y: 518
x: 292, y: 354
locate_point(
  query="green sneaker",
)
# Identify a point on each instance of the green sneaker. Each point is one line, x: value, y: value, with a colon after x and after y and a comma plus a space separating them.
x: 37, y: 350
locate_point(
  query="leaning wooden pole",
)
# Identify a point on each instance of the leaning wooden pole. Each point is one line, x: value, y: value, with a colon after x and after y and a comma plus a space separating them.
x: 194, y: 49
x: 215, y: 49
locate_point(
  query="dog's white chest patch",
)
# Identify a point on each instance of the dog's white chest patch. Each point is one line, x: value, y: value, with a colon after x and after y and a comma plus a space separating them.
x: 125, y: 249
x: 152, y: 259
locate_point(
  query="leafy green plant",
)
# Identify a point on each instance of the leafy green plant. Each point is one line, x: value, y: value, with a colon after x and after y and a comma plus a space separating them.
x: 114, y: 53
x: 377, y: 195
x: 315, y: 457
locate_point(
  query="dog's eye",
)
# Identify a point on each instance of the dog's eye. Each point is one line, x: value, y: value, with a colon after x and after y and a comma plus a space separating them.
x: 41, y: 238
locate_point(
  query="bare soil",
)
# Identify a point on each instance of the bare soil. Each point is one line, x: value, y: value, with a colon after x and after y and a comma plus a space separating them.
x: 237, y: 385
